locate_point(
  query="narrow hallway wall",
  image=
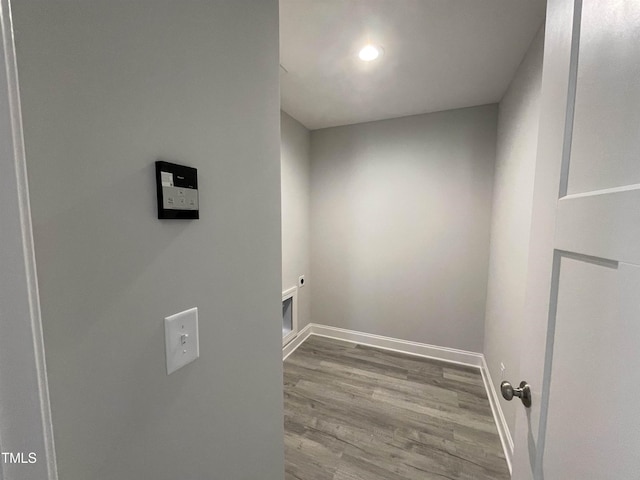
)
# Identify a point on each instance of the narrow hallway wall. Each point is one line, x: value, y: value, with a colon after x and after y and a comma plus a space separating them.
x: 108, y: 88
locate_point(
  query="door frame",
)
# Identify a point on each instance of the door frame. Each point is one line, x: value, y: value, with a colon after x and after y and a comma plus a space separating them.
x: 25, y: 412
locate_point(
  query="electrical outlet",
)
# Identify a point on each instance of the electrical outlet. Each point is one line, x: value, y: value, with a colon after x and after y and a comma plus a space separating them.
x: 301, y: 281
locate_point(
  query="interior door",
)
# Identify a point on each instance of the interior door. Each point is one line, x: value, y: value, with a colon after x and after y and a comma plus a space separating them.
x: 581, y: 348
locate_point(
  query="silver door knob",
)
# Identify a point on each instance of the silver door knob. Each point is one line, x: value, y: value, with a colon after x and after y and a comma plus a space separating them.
x: 523, y: 392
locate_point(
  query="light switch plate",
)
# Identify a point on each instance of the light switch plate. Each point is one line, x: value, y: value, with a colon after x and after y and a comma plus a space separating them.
x: 181, y: 339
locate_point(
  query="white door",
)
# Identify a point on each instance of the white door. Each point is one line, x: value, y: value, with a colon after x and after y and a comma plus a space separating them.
x: 581, y: 348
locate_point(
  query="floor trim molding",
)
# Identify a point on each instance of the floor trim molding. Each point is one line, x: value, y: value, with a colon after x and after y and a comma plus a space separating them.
x: 453, y: 355
x: 446, y: 354
x: 290, y: 347
x: 498, y: 415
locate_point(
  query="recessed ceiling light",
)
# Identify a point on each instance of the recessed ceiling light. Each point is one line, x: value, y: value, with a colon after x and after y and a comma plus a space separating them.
x: 369, y: 53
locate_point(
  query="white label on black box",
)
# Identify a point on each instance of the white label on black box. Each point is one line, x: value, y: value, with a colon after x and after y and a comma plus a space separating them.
x: 166, y: 178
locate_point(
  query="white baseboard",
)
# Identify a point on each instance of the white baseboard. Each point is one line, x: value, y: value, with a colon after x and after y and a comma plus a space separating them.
x: 498, y: 415
x: 290, y: 347
x: 452, y: 355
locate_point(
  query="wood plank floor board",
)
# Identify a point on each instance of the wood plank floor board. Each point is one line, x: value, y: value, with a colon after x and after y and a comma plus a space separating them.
x: 355, y: 412
x: 352, y: 355
x: 369, y: 419
x: 449, y: 384
x: 370, y: 411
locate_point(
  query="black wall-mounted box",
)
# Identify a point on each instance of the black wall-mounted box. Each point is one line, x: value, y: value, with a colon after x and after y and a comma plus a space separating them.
x: 177, y: 188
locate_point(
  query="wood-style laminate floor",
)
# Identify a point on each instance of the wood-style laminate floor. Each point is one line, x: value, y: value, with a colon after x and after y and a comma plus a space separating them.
x: 359, y: 413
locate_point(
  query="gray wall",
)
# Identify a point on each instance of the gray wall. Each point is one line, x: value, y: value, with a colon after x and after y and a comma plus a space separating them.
x: 25, y: 424
x: 296, y: 164
x: 518, y: 116
x: 107, y: 89
x: 400, y: 216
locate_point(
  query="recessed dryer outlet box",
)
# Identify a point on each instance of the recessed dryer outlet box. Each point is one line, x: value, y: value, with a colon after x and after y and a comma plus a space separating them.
x: 181, y: 339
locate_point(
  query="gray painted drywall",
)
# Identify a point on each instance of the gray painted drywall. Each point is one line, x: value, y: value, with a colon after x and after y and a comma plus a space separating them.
x: 25, y: 426
x: 400, y: 218
x: 518, y: 116
x: 107, y: 89
x: 296, y: 161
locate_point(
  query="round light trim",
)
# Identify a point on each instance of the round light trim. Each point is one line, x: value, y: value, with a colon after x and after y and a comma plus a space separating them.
x: 369, y: 53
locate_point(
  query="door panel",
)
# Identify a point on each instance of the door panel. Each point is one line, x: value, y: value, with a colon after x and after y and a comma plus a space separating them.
x: 606, y: 138
x: 593, y: 428
x: 582, y: 326
x: 603, y: 224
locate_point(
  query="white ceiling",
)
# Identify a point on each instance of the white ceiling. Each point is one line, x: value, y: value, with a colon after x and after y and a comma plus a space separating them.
x: 439, y: 55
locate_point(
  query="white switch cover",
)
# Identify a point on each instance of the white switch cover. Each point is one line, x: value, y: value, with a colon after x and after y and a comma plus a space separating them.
x: 181, y: 339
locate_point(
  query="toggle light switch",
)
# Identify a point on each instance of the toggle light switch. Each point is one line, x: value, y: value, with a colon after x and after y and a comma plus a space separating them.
x: 181, y: 339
